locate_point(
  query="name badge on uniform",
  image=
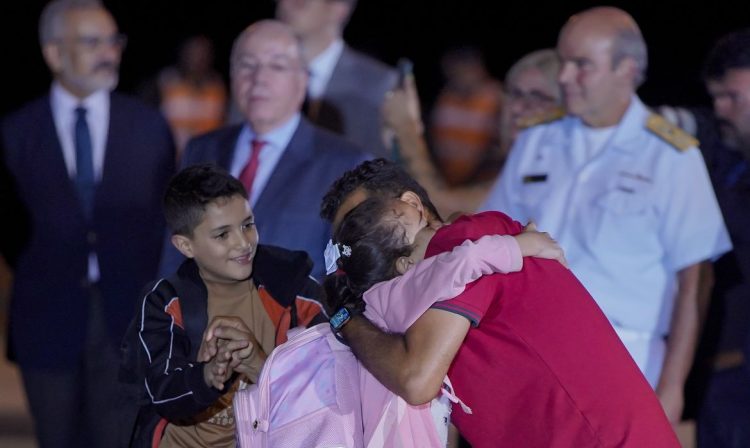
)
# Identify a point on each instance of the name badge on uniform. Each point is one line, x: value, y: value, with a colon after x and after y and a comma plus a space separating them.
x: 534, y: 178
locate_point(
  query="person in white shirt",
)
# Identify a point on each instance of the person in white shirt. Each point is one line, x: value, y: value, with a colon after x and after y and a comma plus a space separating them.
x: 626, y: 194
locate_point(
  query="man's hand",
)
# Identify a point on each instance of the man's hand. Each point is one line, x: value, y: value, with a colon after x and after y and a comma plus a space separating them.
x: 672, y: 400
x: 401, y: 107
x: 682, y: 340
x: 539, y: 244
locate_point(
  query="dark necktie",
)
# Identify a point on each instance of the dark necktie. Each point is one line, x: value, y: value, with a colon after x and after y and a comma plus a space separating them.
x: 85, y: 182
x: 247, y: 176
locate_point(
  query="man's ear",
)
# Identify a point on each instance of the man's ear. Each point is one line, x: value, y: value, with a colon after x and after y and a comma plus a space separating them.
x: 183, y: 244
x: 627, y: 67
x: 403, y: 264
x: 52, y: 56
x: 413, y: 199
x: 340, y: 12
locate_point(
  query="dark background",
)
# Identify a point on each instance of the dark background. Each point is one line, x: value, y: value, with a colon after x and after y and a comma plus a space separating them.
x: 678, y: 35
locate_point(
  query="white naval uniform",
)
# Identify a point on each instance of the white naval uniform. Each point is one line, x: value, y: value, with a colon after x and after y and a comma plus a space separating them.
x: 629, y: 217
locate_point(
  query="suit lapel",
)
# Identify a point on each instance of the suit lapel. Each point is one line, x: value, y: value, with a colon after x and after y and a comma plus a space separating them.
x: 340, y: 78
x: 291, y: 164
x: 226, y: 144
x: 51, y: 151
x: 115, y: 157
x: 48, y: 161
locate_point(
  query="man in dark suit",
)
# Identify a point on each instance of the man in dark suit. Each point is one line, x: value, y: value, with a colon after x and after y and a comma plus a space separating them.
x: 285, y: 162
x: 346, y: 88
x: 717, y: 391
x: 87, y: 169
x: 724, y: 416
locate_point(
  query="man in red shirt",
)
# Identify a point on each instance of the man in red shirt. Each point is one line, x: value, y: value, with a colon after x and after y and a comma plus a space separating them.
x: 530, y: 352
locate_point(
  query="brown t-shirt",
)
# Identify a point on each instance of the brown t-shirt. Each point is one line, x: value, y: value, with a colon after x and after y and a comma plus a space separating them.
x: 215, y: 426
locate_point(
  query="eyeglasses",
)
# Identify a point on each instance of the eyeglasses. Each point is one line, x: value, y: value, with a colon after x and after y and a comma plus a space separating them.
x: 248, y: 69
x: 532, y: 98
x: 93, y: 43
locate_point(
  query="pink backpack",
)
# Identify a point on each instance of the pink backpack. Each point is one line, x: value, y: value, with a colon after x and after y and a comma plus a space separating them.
x: 307, y: 395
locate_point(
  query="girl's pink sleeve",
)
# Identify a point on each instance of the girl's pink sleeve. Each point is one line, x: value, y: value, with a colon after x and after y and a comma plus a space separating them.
x: 397, y: 303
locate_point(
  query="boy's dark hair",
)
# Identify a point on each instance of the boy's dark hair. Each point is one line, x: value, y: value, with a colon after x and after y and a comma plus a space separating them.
x: 730, y: 52
x: 373, y: 246
x: 379, y: 177
x: 191, y: 189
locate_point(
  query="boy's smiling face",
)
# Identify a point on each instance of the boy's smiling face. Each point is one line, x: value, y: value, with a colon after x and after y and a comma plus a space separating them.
x: 224, y: 243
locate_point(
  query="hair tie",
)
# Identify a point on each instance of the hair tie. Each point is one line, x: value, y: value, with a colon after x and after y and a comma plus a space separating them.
x: 333, y: 252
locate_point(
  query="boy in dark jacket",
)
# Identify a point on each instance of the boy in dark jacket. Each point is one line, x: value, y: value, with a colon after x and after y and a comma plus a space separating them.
x: 252, y: 295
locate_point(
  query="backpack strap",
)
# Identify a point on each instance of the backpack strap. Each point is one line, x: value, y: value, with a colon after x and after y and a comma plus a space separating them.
x: 189, y: 287
x: 447, y: 391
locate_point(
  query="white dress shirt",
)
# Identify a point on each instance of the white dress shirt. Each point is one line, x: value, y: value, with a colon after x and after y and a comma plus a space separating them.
x: 321, y: 69
x: 64, y: 105
x: 629, y: 217
x: 276, y: 142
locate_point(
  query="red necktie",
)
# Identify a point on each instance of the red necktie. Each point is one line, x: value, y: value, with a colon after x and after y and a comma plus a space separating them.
x: 247, y: 176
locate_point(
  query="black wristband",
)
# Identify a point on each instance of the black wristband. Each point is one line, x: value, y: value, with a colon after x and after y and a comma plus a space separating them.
x: 341, y: 317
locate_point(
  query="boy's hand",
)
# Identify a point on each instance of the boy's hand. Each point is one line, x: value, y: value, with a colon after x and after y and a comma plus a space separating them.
x: 230, y: 347
x: 215, y: 375
x: 210, y: 344
x: 248, y: 359
x: 539, y: 244
x: 216, y: 371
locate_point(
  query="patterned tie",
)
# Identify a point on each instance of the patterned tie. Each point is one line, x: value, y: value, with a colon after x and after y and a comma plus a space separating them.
x: 247, y: 176
x: 85, y: 182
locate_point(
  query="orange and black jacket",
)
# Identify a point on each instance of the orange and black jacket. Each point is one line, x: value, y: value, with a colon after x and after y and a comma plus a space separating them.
x: 159, y: 370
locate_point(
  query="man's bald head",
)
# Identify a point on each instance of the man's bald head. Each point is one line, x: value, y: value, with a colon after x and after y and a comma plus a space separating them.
x: 269, y: 29
x: 269, y: 75
x: 619, y: 28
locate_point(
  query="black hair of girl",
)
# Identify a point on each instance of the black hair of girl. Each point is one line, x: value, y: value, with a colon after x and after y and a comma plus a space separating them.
x: 375, y: 244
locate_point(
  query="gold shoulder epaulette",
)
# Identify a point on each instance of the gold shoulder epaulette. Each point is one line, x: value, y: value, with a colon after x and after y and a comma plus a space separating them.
x: 541, y: 118
x: 671, y: 133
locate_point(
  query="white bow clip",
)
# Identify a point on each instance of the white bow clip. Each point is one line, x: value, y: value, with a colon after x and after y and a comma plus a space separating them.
x: 332, y: 255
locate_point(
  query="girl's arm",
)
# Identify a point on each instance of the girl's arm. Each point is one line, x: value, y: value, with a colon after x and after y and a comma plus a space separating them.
x: 397, y: 303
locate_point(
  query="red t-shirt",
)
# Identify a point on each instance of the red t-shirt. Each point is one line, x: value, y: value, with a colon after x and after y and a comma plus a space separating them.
x: 542, y: 367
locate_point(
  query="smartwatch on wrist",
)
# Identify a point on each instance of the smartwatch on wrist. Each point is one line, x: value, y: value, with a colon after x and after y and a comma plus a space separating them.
x: 339, y: 319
